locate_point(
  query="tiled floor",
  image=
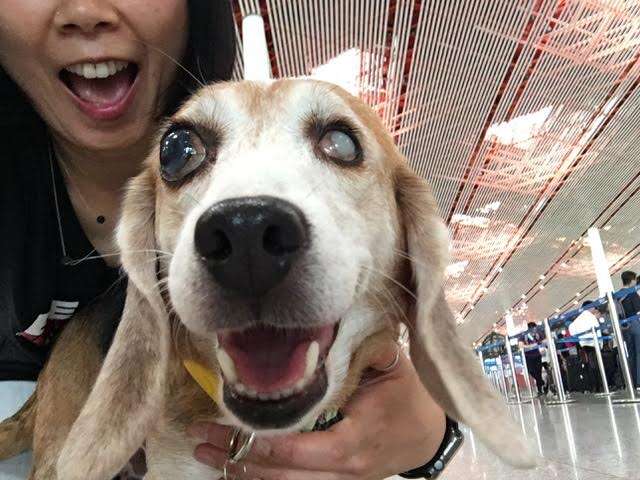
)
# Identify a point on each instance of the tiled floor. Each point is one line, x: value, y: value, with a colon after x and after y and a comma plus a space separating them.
x: 588, y: 440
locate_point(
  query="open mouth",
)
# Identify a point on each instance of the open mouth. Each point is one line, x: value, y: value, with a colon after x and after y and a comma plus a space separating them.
x: 102, y: 90
x: 274, y: 376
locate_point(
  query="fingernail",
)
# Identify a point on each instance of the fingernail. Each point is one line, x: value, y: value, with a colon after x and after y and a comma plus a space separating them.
x: 197, y: 430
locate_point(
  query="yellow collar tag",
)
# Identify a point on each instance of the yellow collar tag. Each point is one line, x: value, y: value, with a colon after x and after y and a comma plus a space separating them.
x: 208, y: 380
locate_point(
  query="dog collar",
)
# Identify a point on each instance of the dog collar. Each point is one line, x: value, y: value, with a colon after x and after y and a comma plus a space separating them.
x: 209, y: 381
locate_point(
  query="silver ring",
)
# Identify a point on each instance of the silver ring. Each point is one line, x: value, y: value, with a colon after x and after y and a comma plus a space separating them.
x: 240, y: 445
x: 393, y: 364
x: 225, y: 473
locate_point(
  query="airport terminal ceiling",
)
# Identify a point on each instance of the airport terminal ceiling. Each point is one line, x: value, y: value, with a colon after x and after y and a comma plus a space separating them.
x: 523, y: 114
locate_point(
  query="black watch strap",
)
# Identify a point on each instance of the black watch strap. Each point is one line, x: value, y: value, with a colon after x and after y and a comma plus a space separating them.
x: 452, y: 441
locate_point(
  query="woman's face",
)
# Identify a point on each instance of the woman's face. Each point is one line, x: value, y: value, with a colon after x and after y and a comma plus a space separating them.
x: 93, y: 68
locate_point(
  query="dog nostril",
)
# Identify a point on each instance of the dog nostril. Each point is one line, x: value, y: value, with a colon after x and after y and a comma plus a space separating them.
x: 220, y: 248
x: 277, y: 243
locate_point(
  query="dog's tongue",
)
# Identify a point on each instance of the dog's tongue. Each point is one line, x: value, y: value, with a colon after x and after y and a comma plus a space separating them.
x: 101, y: 91
x: 270, y: 360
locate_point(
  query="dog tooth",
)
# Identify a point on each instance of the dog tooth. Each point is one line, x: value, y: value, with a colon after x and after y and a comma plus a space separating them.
x: 227, y: 366
x: 286, y: 393
x: 313, y: 352
x: 299, y: 386
x: 251, y: 393
x: 264, y: 396
x: 240, y: 388
x: 276, y: 395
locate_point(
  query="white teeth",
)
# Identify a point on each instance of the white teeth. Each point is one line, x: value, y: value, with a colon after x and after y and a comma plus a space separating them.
x: 102, y: 70
x: 98, y: 70
x: 227, y: 366
x: 251, y: 393
x: 299, y: 386
x: 89, y: 70
x: 312, y: 360
x: 247, y: 392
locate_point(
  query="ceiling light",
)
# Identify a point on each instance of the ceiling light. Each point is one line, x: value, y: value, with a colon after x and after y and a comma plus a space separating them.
x: 470, y: 221
x: 520, y: 130
x: 490, y: 207
x: 456, y: 269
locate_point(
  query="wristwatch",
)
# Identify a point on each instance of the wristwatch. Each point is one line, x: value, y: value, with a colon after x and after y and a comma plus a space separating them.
x: 453, y: 439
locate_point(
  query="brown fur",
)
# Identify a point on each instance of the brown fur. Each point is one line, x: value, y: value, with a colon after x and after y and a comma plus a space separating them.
x: 16, y: 432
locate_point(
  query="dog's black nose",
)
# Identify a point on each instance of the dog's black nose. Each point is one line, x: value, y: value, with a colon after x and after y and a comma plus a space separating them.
x: 249, y: 244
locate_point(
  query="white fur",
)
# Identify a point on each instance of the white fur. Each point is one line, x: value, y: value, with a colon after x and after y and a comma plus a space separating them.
x: 270, y: 155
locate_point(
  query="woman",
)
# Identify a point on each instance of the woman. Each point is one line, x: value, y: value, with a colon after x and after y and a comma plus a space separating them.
x: 82, y: 86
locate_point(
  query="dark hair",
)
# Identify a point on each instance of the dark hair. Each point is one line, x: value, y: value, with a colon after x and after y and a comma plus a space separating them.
x: 628, y: 277
x: 209, y: 56
x: 531, y: 325
x: 587, y: 302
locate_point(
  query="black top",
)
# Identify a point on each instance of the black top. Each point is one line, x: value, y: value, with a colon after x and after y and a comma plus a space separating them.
x: 38, y: 293
x: 531, y: 341
x: 631, y: 304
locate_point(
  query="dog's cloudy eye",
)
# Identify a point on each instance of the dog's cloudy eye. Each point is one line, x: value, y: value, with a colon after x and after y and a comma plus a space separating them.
x: 339, y: 146
x: 181, y: 152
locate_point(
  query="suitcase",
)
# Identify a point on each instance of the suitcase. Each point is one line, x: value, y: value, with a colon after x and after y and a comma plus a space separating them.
x: 611, y: 370
x: 577, y: 376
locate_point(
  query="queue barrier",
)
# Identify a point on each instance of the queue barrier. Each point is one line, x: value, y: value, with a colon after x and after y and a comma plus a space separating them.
x: 596, y: 334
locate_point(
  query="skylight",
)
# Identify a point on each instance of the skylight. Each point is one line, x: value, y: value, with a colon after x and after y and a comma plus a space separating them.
x: 519, y: 131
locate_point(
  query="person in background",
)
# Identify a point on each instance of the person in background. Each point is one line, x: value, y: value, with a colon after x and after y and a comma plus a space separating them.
x: 581, y: 327
x: 546, y: 366
x: 532, y: 340
x: 631, y: 331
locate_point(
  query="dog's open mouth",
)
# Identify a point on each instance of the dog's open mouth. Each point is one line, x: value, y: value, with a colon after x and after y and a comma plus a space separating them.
x: 274, y: 376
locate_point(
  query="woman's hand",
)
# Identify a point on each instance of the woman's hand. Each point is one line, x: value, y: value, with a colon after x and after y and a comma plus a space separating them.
x: 391, y: 425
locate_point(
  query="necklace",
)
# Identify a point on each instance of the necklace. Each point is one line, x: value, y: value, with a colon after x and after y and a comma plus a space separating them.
x: 66, y: 259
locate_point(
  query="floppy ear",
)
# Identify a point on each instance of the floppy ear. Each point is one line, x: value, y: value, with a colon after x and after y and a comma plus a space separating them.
x: 446, y: 367
x: 127, y: 396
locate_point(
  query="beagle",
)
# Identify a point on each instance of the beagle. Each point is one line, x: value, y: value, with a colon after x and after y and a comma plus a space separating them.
x: 275, y: 239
